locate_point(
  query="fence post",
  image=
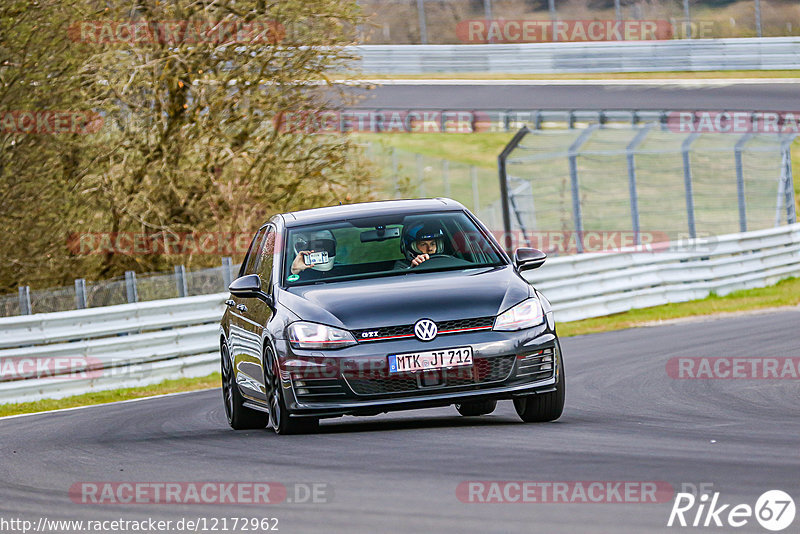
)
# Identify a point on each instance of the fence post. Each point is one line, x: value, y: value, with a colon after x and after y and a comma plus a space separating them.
x: 687, y: 182
x: 688, y: 19
x: 130, y: 287
x: 503, y: 175
x: 420, y: 176
x: 551, y: 6
x: 637, y: 140
x: 473, y: 172
x: 487, y: 13
x: 25, y: 300
x: 577, y: 217
x: 180, y: 280
x: 80, y: 294
x: 446, y: 177
x: 227, y: 275
x: 737, y: 151
x: 758, y: 18
x: 423, y: 27
x: 787, y: 179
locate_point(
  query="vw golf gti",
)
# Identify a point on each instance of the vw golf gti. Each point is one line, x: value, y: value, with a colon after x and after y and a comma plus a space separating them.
x: 368, y: 308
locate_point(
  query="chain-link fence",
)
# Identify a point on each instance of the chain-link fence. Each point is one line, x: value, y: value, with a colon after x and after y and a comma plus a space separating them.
x: 120, y: 290
x: 447, y: 21
x: 405, y: 174
x: 648, y: 180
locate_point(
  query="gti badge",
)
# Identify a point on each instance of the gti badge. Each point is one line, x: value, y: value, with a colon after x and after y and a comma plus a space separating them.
x: 425, y: 330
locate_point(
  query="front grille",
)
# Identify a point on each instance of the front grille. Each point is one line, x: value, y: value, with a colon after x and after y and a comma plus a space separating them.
x: 445, y: 327
x: 536, y: 366
x: 312, y: 389
x: 380, y: 382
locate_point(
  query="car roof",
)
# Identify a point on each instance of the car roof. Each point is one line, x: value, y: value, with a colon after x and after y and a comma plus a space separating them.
x: 366, y: 209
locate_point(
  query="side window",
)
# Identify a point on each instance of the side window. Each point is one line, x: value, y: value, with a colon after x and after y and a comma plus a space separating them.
x: 252, y: 254
x: 265, y: 258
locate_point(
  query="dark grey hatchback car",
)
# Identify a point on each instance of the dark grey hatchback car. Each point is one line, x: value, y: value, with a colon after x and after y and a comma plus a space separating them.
x: 396, y: 305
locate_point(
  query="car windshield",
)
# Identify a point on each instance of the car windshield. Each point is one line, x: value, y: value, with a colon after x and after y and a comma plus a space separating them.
x: 385, y: 246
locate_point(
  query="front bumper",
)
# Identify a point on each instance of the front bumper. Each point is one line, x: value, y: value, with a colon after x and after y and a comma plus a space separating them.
x: 355, y: 380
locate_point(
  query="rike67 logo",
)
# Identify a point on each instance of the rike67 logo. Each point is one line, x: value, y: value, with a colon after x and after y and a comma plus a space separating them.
x: 774, y: 510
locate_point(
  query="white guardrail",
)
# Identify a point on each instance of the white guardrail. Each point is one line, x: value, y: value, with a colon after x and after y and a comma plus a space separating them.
x: 145, y: 343
x: 768, y: 53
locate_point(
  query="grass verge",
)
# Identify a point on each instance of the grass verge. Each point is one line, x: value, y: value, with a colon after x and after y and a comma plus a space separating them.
x: 113, y: 395
x: 784, y: 293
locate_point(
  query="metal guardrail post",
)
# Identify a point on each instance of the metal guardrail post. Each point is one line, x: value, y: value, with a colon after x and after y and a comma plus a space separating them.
x: 637, y: 140
x: 537, y: 119
x: 227, y: 275
x: 80, y: 294
x: 473, y: 172
x: 737, y: 151
x: 503, y: 175
x: 180, y: 281
x: 577, y: 217
x: 130, y: 287
x: 25, y: 300
x: 687, y: 183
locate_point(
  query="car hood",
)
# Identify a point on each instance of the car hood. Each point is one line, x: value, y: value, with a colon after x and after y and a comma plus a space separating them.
x: 404, y: 299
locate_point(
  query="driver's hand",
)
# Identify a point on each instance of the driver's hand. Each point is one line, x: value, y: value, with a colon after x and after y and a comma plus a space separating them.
x: 299, y: 264
x: 419, y: 259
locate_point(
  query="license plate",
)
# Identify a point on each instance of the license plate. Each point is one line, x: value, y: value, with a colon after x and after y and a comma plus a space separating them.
x: 432, y: 359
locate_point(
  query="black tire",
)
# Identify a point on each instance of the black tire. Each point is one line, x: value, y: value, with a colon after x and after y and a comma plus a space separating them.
x: 239, y: 416
x: 473, y: 408
x: 544, y: 406
x: 279, y: 418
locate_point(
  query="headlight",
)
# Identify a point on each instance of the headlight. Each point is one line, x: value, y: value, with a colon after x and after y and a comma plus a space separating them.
x: 526, y: 314
x: 304, y: 335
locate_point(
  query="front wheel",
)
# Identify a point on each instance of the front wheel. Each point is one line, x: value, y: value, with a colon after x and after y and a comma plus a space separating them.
x: 279, y: 418
x: 543, y: 407
x: 239, y: 416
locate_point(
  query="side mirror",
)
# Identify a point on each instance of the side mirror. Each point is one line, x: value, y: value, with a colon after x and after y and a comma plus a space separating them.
x: 528, y: 258
x: 249, y: 286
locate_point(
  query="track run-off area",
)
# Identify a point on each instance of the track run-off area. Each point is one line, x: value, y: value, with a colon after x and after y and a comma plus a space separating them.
x: 629, y: 419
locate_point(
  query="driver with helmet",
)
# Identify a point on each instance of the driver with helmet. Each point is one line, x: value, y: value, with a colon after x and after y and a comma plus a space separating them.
x: 304, y: 244
x: 420, y: 241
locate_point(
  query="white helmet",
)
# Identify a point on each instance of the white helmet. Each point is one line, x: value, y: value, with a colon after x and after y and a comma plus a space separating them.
x: 319, y: 241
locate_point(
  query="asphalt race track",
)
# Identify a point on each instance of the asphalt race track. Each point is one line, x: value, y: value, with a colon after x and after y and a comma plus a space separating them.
x: 735, y: 96
x: 625, y: 420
